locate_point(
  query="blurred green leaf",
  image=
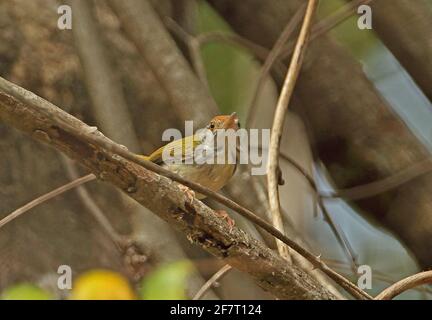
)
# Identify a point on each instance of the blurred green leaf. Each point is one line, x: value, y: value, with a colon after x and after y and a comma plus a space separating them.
x: 25, y: 291
x: 359, y: 42
x: 167, y: 282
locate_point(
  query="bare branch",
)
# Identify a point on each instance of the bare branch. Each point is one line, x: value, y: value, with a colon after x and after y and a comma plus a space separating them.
x: 47, y: 196
x: 279, y: 118
x: 405, y: 284
x: 337, y: 231
x: 194, y: 48
x: 377, y: 275
x: 91, y: 205
x: 216, y: 277
x: 380, y: 186
x: 328, y: 23
x: 270, y: 60
x: 262, y: 53
x: 368, y: 189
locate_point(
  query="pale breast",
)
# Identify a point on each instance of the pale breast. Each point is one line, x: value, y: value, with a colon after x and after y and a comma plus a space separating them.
x: 212, y: 176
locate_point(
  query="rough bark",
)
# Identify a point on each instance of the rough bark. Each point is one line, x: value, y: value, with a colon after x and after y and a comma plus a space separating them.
x: 355, y: 132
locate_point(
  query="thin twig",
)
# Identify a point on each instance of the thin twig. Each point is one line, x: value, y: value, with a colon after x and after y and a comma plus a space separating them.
x: 47, y: 196
x: 337, y: 231
x: 327, y: 24
x: 320, y: 28
x: 377, y: 275
x: 235, y: 40
x: 339, y: 234
x: 301, y: 170
x: 371, y: 189
x: 87, y: 135
x: 383, y: 185
x: 193, y: 46
x: 258, y: 51
x: 92, y: 206
x: 405, y: 284
x: 279, y: 118
x: 270, y: 60
x: 210, y: 282
x: 133, y: 254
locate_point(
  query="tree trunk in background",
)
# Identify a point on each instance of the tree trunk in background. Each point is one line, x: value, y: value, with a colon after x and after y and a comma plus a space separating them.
x: 405, y: 27
x: 355, y: 132
x: 55, y: 233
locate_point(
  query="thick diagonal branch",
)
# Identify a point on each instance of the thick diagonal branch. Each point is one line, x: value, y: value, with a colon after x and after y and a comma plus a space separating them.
x: 159, y: 194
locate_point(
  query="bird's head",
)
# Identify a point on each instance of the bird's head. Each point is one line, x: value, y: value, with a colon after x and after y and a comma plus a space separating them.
x: 224, y: 122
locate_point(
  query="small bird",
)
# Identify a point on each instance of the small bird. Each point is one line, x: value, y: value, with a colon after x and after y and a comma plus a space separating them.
x: 211, y: 175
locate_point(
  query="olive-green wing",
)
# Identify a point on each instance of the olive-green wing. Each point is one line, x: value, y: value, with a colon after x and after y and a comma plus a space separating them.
x: 179, y: 150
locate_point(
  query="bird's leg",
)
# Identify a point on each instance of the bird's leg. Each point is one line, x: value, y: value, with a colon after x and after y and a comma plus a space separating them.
x: 225, y: 216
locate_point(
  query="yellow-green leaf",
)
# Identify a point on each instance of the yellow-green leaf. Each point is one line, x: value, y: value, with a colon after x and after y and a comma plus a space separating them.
x: 167, y: 282
x: 25, y: 291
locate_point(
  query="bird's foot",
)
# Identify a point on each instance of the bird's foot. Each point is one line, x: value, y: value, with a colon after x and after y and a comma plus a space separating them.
x: 190, y: 194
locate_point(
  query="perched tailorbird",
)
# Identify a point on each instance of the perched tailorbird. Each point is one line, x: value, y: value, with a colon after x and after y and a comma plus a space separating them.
x: 182, y: 156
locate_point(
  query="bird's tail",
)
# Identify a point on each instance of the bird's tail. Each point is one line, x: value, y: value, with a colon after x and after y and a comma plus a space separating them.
x: 147, y: 158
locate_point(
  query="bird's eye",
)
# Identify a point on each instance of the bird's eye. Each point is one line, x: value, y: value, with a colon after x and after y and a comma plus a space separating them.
x: 212, y: 125
x: 238, y: 124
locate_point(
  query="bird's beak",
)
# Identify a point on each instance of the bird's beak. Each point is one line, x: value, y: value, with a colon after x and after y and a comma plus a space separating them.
x: 231, y: 122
